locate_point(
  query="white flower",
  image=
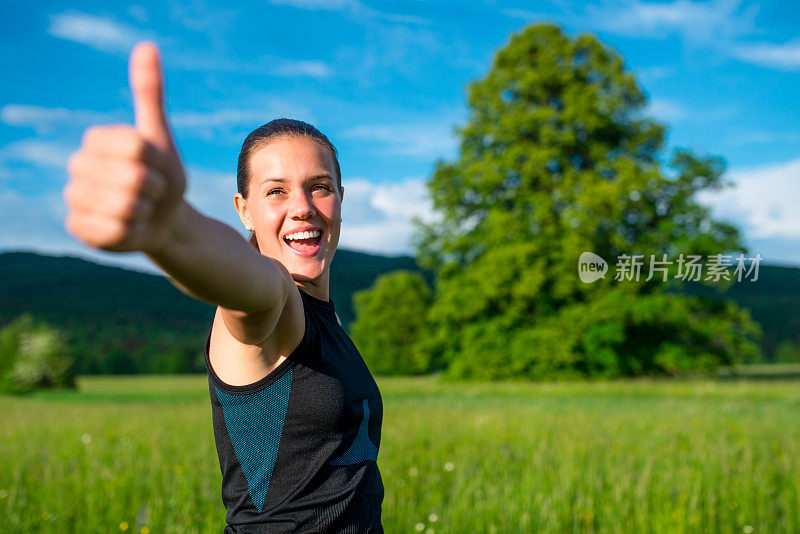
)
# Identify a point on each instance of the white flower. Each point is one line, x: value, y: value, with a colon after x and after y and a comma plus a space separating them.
x: 449, y: 466
x: 86, y: 438
x: 420, y: 527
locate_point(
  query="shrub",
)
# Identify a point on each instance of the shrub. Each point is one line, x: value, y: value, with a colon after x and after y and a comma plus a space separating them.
x: 34, y: 356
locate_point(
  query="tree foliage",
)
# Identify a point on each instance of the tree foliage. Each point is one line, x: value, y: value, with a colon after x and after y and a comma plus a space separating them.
x: 558, y: 158
x: 391, y: 321
x: 33, y: 356
x: 788, y: 352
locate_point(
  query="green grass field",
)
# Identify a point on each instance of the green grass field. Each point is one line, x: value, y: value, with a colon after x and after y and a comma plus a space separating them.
x: 137, y: 455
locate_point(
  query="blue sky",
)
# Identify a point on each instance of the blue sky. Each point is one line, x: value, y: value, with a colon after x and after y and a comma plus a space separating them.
x: 386, y: 82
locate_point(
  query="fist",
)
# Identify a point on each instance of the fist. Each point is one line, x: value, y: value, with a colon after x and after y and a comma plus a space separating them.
x: 126, y: 183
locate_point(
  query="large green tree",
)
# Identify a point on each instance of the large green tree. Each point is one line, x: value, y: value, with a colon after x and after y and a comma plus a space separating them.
x: 558, y: 158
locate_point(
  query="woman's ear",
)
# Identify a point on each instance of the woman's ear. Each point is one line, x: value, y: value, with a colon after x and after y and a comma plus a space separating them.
x: 241, y: 208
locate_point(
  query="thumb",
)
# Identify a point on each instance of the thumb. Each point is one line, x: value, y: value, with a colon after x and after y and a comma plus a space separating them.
x: 147, y: 86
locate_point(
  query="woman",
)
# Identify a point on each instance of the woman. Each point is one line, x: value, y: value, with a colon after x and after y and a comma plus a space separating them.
x: 297, y: 415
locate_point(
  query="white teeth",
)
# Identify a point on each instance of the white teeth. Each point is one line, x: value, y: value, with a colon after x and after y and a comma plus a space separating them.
x: 304, y: 235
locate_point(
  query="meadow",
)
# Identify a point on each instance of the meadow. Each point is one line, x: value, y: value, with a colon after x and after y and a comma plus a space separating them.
x: 136, y: 455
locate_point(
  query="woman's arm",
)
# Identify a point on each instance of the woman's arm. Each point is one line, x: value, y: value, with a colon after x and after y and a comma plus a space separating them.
x: 125, y: 193
x: 210, y: 261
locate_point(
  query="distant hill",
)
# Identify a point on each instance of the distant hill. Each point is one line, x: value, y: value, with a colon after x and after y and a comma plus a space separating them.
x: 118, y: 319
x: 123, y: 321
x: 773, y: 301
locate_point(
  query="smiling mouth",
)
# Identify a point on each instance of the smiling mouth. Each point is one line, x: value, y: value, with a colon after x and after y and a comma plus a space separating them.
x: 304, y: 247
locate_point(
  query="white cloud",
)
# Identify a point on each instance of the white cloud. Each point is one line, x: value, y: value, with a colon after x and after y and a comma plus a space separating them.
x: 37, y: 153
x: 311, y: 69
x: 392, y: 17
x: 234, y: 123
x: 45, y: 120
x: 429, y: 140
x: 355, y: 7
x: 763, y: 201
x: 213, y: 119
x: 767, y: 138
x: 100, y: 33
x: 695, y: 21
x: 776, y: 251
x: 665, y: 110
x: 227, y: 117
x: 328, y: 5
x: 377, y: 216
x: 655, y: 73
x: 714, y: 23
x: 781, y: 56
x: 34, y: 223
x: 212, y: 193
x: 289, y: 68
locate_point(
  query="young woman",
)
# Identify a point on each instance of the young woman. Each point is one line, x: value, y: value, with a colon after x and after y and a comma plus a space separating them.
x: 297, y: 415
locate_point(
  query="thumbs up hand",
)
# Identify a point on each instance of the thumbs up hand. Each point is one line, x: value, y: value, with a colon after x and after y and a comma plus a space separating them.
x: 126, y: 183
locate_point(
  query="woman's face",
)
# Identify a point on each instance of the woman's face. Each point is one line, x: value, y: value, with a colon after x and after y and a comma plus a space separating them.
x: 293, y: 187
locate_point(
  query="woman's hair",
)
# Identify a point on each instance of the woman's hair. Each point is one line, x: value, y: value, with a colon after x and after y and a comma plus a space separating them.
x: 263, y: 135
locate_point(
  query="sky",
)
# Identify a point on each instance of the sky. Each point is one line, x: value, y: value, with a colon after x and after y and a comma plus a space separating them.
x: 386, y: 81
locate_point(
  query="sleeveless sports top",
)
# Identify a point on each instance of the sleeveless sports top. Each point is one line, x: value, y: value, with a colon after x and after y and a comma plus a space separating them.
x: 298, y: 448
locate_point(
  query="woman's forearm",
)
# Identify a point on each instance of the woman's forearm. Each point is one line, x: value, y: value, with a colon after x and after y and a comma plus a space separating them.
x: 126, y: 193
x: 214, y: 263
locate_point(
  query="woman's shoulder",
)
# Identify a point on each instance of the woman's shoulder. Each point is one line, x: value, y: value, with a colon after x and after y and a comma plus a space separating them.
x: 238, y: 364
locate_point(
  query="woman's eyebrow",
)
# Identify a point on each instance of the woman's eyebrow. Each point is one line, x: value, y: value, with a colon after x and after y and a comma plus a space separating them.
x: 310, y: 178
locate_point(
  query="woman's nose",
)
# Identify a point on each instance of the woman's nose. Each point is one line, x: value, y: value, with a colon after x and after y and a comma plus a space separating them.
x: 302, y: 207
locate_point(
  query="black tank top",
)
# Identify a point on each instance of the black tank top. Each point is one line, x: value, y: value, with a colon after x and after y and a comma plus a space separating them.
x: 298, y: 448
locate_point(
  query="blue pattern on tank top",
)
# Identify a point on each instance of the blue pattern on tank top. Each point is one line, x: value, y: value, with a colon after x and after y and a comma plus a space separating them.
x: 362, y: 448
x: 255, y: 423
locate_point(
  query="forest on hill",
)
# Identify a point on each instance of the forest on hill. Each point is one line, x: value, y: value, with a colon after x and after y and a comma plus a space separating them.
x: 119, y: 321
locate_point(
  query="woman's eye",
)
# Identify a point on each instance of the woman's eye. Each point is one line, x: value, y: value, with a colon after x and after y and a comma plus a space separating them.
x: 325, y: 187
